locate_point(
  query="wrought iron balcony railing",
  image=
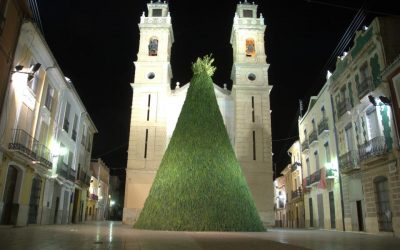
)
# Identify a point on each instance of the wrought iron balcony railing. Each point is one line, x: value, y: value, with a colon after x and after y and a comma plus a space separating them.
x: 25, y: 144
x: 316, y: 176
x: 349, y: 161
x: 323, y: 126
x: 313, y: 137
x: 305, y: 146
x: 71, y: 175
x: 364, y: 87
x: 295, y: 166
x: 375, y: 147
x: 296, y: 193
x: 342, y: 107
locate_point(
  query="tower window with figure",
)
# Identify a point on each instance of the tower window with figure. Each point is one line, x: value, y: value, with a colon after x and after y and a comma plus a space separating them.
x: 250, y: 47
x: 153, y: 47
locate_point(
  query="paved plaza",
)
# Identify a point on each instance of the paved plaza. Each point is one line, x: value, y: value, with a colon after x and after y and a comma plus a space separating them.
x: 114, y: 235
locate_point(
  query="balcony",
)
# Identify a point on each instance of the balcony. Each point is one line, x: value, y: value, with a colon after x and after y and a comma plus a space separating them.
x: 62, y: 169
x: 71, y: 175
x: 304, y: 146
x: 83, y: 178
x: 342, y: 107
x: 25, y: 144
x: 297, y: 193
x: 364, y: 87
x: 349, y: 162
x: 295, y: 166
x: 316, y: 176
x: 323, y: 126
x: 94, y: 197
x: 313, y: 137
x: 372, y: 148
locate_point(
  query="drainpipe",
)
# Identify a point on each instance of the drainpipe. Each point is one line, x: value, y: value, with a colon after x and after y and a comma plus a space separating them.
x: 337, y: 153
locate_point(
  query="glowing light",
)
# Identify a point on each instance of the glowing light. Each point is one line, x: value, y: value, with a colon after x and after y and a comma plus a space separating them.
x: 112, y: 203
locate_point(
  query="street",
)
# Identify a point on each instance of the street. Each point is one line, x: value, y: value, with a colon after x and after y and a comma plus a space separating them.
x: 114, y: 235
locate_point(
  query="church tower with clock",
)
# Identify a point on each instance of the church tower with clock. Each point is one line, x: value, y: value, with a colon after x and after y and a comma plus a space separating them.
x: 156, y: 107
x: 151, y: 87
x: 250, y: 94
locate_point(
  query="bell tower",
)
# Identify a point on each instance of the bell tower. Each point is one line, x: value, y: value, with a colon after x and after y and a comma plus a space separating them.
x: 151, y: 86
x: 250, y: 92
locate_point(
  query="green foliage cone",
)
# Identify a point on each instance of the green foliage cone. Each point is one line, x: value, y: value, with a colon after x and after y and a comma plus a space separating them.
x: 199, y: 185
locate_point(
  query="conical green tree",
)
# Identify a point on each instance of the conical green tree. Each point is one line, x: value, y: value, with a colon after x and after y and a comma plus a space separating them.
x: 199, y: 185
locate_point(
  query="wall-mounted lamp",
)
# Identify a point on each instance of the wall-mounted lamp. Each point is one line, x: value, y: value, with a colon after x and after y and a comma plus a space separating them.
x: 372, y: 100
x: 31, y: 72
x: 383, y: 100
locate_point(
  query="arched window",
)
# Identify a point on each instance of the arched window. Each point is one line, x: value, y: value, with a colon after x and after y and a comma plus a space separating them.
x: 153, y: 46
x: 383, y: 204
x: 250, y: 47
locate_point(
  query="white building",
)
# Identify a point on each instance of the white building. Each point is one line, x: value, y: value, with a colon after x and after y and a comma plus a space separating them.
x: 44, y: 126
x: 321, y: 185
x: 156, y: 107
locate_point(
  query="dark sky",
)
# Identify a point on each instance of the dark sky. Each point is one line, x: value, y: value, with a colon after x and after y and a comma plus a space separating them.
x: 96, y: 42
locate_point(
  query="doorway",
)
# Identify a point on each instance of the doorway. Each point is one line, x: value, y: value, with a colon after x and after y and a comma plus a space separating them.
x: 320, y: 203
x: 360, y: 216
x: 332, y: 209
x: 10, y: 209
x: 383, y: 204
x: 34, y: 200
x: 311, y: 212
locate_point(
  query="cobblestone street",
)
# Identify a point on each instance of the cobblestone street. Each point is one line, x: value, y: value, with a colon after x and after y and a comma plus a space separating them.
x: 114, y: 235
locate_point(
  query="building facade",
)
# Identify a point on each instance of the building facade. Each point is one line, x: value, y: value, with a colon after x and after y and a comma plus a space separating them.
x: 295, y: 197
x: 40, y: 150
x: 12, y: 13
x: 321, y: 184
x: 367, y: 139
x: 156, y: 107
x: 280, y: 201
x: 99, y: 191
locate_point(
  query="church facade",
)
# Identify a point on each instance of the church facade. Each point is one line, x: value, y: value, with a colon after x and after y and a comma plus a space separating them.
x: 156, y: 107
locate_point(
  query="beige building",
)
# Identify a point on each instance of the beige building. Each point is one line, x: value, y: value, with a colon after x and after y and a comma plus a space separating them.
x: 367, y: 140
x: 295, y: 207
x: 39, y: 149
x: 99, y: 191
x: 321, y: 184
x: 155, y: 107
x: 280, y: 201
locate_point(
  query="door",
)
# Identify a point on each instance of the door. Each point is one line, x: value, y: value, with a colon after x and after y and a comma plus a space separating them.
x: 332, y: 209
x: 360, y: 216
x: 383, y: 204
x: 320, y: 203
x: 34, y: 200
x: 64, y: 219
x: 9, y: 193
x: 311, y: 212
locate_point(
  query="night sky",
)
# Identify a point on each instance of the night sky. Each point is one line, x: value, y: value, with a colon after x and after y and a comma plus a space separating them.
x: 96, y: 42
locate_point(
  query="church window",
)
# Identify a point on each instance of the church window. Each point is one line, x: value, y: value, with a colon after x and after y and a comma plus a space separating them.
x: 251, y: 77
x: 148, y: 107
x: 252, y: 108
x: 151, y: 75
x: 157, y: 12
x: 254, y: 145
x: 153, y: 46
x: 145, y: 143
x: 250, y: 47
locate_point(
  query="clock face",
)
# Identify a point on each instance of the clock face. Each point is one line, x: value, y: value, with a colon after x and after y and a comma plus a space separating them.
x: 251, y: 77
